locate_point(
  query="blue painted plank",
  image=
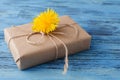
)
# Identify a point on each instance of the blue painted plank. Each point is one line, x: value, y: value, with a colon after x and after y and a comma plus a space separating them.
x: 100, y: 18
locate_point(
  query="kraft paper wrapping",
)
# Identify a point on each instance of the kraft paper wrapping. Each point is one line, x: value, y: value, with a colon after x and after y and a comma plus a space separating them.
x: 27, y: 55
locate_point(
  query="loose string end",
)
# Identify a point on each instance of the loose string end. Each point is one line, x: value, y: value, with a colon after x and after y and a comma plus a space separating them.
x: 65, y: 66
x: 65, y: 69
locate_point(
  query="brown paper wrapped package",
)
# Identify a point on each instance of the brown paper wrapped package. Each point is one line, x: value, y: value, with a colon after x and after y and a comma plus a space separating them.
x: 27, y: 55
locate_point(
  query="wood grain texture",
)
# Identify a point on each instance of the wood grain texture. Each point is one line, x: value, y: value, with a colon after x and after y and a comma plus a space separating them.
x: 100, y: 18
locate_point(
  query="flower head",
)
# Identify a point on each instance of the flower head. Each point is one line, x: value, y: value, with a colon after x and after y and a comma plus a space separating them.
x: 46, y: 22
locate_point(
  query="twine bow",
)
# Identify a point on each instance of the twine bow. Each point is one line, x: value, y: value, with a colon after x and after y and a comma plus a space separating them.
x: 50, y: 36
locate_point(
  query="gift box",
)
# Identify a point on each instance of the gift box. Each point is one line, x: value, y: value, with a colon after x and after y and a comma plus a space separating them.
x: 27, y: 55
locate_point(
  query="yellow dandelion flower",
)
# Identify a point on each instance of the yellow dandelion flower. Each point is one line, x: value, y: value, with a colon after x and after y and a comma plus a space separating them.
x: 46, y: 22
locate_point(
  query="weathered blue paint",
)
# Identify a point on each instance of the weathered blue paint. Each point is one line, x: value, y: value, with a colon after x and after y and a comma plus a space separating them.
x: 100, y: 18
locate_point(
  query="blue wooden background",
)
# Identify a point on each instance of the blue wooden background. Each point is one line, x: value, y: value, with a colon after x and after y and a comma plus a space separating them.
x: 100, y: 18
